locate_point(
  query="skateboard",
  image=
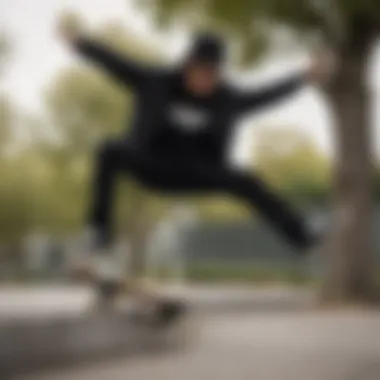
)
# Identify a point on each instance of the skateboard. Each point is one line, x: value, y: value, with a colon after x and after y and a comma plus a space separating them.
x: 162, y: 314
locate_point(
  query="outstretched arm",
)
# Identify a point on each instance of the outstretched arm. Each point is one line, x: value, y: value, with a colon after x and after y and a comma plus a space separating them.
x: 123, y: 69
x: 120, y: 67
x: 318, y: 72
x: 251, y: 100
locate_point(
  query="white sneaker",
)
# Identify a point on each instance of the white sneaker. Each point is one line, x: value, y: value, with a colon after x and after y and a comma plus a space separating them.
x: 98, y: 264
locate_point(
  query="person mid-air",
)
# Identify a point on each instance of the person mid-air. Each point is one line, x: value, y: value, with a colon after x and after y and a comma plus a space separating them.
x: 183, y: 120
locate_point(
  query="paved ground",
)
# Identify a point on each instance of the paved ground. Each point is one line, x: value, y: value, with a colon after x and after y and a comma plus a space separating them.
x: 276, y: 346
x: 273, y: 337
x: 41, y: 301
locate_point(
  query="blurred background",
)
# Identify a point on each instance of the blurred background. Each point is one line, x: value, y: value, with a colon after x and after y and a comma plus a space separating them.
x: 54, y: 109
x: 320, y: 149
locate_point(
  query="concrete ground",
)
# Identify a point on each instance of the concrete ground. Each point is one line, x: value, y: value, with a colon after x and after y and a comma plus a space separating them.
x: 262, y: 342
x: 42, y: 301
x: 339, y: 346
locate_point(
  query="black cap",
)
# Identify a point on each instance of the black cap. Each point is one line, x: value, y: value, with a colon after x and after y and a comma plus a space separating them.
x: 208, y: 48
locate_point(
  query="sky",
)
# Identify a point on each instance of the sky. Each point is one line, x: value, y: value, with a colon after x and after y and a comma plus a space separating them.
x: 39, y: 55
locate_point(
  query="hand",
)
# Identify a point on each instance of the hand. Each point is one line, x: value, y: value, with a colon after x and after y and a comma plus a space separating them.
x: 321, y: 68
x: 69, y: 28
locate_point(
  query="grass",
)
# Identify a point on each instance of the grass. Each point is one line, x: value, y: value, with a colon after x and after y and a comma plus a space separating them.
x: 252, y: 273
x: 242, y: 273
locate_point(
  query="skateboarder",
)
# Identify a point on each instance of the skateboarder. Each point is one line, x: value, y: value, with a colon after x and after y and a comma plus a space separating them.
x: 183, y: 120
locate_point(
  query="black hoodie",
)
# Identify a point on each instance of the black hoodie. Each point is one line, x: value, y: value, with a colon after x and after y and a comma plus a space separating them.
x: 162, y: 103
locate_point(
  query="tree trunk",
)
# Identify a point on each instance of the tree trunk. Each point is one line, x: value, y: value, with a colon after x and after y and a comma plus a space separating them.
x: 350, y: 276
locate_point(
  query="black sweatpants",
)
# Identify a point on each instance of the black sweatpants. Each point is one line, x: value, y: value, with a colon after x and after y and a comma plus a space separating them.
x: 186, y: 174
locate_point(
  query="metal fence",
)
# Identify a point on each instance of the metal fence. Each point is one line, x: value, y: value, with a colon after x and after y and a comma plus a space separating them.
x: 245, y: 242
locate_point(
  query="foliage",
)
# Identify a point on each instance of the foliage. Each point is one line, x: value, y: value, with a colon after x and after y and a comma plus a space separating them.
x: 5, y: 51
x: 251, y: 20
x: 45, y: 183
x: 289, y: 160
x: 45, y: 186
x: 6, y: 121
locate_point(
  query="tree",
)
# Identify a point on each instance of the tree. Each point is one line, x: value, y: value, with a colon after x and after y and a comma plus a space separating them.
x: 6, y: 120
x: 6, y: 109
x: 350, y: 28
x: 15, y: 203
x: 5, y: 50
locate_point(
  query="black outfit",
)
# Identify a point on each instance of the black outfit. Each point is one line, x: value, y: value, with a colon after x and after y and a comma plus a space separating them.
x: 178, y: 142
